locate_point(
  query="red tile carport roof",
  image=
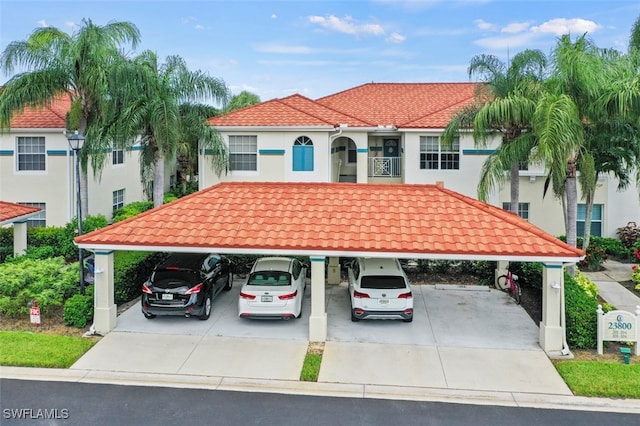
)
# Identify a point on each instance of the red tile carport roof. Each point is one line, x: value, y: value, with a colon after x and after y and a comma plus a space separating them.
x: 346, y: 218
x: 10, y: 212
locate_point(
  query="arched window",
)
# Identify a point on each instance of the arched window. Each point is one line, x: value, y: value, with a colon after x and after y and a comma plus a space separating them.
x: 303, y: 155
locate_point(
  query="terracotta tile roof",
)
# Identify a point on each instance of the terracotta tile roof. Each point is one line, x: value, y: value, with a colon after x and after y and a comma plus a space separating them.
x: 404, y: 105
x: 52, y: 116
x: 295, y: 110
x: 330, y: 218
x: 10, y: 212
x: 423, y: 105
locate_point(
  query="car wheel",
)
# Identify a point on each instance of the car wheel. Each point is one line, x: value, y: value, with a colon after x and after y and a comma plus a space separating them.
x: 407, y: 319
x: 207, y: 308
x: 229, y: 282
x: 354, y: 318
x: 147, y: 315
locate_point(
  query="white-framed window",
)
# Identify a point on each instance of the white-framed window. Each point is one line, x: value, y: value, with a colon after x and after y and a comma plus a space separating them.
x: 433, y: 156
x: 117, y: 156
x: 523, y: 209
x: 303, y: 154
x: 38, y: 220
x: 243, y: 152
x: 118, y: 199
x: 596, y: 219
x: 31, y: 153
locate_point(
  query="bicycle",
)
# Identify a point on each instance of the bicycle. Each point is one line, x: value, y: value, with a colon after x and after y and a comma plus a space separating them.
x: 509, y: 284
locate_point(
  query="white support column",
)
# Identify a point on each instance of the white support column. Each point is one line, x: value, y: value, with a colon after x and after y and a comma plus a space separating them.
x: 104, y: 308
x: 501, y: 269
x: 19, y: 238
x: 551, y: 332
x: 318, y: 316
x: 362, y: 174
x: 333, y: 274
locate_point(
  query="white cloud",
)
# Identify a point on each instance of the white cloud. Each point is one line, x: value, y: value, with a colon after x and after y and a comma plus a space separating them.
x: 188, y: 19
x: 516, y: 27
x: 560, y: 26
x: 199, y: 27
x: 43, y: 23
x: 283, y: 48
x: 396, y: 38
x: 346, y: 25
x: 484, y: 25
x: 274, y: 16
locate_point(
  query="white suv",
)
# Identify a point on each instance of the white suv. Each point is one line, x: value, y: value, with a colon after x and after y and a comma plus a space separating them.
x: 379, y: 289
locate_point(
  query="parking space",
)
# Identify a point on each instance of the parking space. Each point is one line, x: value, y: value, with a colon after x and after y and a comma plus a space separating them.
x: 472, y: 316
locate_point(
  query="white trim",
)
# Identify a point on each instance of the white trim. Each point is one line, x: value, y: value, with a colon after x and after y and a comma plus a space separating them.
x: 332, y: 253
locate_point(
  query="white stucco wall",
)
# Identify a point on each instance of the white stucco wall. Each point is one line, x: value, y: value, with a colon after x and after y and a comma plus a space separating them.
x: 55, y: 185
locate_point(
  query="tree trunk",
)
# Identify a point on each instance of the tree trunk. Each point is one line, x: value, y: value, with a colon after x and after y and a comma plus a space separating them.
x: 587, y: 221
x: 571, y: 189
x: 158, y: 180
x: 515, y: 187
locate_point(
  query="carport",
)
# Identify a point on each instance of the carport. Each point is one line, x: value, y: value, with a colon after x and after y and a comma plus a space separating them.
x: 17, y: 214
x: 331, y: 220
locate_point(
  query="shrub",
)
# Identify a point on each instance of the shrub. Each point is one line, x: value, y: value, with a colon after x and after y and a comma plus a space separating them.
x: 49, y: 281
x: 629, y: 234
x: 78, y: 309
x: 131, y: 210
x: 529, y: 273
x: 581, y: 303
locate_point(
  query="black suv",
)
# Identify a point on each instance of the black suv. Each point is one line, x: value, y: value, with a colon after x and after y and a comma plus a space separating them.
x: 186, y: 284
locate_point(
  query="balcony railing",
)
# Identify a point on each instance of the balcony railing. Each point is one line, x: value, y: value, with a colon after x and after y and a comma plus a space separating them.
x: 384, y: 166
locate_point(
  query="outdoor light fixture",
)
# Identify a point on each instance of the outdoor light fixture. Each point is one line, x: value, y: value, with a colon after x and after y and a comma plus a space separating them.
x: 76, y: 140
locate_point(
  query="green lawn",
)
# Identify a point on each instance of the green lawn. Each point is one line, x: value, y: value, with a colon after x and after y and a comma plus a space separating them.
x: 24, y: 349
x: 601, y: 379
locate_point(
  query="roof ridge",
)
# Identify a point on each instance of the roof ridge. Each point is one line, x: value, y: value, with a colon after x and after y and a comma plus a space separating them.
x: 309, y: 114
x: 464, y: 100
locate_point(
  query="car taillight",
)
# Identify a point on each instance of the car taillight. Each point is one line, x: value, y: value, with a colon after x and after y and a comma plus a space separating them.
x: 405, y: 296
x: 194, y: 289
x: 288, y: 296
x: 146, y: 289
x: 360, y: 295
x: 247, y: 296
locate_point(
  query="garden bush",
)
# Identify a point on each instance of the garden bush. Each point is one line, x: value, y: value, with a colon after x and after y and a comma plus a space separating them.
x: 49, y: 281
x: 581, y: 303
x: 78, y: 309
x: 629, y: 234
x: 131, y: 210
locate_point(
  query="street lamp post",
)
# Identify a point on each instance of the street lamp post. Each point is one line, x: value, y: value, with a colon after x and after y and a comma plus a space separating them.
x: 75, y: 142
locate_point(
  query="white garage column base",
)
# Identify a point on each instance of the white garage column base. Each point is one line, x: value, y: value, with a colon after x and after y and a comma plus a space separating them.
x: 19, y: 238
x: 105, y: 310
x: 318, y: 316
x: 551, y: 332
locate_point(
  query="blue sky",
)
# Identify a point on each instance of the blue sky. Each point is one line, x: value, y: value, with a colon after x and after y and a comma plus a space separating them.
x: 315, y: 48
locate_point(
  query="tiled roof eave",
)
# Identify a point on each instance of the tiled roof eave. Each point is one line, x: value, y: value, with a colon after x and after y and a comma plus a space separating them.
x: 273, y: 128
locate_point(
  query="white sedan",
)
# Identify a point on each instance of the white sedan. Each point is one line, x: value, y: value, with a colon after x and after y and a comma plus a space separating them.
x: 274, y: 289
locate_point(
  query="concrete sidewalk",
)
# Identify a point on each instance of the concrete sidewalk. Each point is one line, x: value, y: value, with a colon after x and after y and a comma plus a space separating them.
x: 608, y: 283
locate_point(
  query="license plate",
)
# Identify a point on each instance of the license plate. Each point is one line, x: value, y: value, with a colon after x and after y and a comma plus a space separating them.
x: 166, y: 296
x: 266, y: 298
x: 384, y: 301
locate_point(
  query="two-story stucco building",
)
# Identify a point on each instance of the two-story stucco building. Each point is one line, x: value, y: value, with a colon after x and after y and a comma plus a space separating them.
x: 37, y: 169
x: 389, y: 133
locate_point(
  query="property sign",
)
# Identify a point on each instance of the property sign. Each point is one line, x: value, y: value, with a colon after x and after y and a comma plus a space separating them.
x: 618, y: 326
x: 35, y: 315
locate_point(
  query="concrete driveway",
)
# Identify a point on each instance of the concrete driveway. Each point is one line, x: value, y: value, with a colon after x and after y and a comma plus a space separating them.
x: 462, y: 338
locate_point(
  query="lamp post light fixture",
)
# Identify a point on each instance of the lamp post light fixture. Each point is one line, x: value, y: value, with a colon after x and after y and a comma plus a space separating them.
x: 76, y: 140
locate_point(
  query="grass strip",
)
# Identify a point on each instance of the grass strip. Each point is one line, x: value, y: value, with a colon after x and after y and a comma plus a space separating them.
x: 601, y: 379
x: 25, y: 349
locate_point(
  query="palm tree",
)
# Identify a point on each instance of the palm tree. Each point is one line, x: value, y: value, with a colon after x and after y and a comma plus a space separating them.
x: 152, y: 110
x: 504, y: 105
x: 242, y: 100
x: 56, y: 63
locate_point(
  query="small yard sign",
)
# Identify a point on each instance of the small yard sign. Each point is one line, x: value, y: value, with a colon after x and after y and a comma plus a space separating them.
x: 35, y: 315
x: 618, y: 326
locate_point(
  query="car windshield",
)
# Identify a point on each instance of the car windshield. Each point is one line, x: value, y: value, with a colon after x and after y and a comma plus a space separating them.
x: 382, y: 282
x: 271, y: 278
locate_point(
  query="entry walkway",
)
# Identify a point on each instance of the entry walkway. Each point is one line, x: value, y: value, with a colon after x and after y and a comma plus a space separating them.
x: 608, y: 283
